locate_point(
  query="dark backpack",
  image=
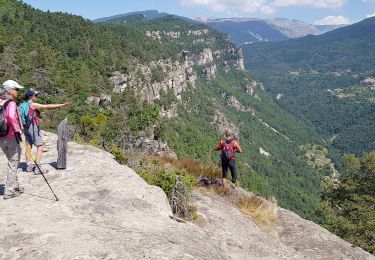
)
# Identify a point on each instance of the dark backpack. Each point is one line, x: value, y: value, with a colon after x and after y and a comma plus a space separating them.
x: 4, y: 127
x: 228, y: 149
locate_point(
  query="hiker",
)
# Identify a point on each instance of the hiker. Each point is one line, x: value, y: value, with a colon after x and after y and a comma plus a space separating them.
x: 10, y: 136
x: 30, y: 113
x: 228, y: 147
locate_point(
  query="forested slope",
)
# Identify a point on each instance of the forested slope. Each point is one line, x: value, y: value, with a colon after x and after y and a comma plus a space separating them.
x: 326, y: 80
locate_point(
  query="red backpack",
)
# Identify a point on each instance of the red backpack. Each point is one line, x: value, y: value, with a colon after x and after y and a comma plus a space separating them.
x: 227, y: 151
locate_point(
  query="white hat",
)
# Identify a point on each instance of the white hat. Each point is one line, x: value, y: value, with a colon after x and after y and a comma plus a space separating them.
x: 11, y: 84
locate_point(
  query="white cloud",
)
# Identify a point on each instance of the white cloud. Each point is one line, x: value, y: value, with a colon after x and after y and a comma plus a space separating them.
x: 370, y: 15
x: 314, y: 3
x: 264, y: 6
x: 333, y: 20
x: 267, y: 9
x: 228, y: 5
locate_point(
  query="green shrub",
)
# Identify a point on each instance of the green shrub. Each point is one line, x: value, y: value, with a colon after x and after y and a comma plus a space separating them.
x: 119, y: 154
x: 158, y: 74
x: 166, y: 179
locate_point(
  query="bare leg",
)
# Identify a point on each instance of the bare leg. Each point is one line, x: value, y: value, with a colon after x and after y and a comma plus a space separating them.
x: 225, y: 184
x: 39, y: 152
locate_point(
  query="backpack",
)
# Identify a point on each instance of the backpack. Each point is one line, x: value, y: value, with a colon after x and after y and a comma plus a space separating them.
x: 27, y: 119
x: 228, y: 149
x: 4, y: 127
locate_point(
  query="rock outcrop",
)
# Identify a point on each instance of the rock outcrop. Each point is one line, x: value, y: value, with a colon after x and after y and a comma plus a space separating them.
x: 233, y: 101
x: 106, y: 211
x: 292, y: 237
x: 150, y: 80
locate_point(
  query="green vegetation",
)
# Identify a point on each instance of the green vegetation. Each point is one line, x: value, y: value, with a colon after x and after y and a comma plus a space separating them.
x: 320, y: 78
x: 285, y: 174
x: 166, y: 179
x: 348, y: 204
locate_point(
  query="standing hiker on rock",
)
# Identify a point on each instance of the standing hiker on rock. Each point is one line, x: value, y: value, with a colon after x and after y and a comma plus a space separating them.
x: 228, y: 147
x: 29, y: 111
x: 10, y: 136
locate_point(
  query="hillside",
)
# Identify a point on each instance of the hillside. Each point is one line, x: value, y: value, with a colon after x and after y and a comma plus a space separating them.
x: 106, y: 211
x: 167, y: 87
x: 326, y: 80
x: 139, y: 17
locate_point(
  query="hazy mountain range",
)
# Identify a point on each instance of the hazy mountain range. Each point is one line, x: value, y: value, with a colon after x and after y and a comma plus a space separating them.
x: 250, y: 30
x: 240, y: 30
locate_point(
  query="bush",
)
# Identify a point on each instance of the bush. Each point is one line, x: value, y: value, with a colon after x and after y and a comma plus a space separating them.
x: 158, y: 74
x: 166, y: 179
x: 119, y: 154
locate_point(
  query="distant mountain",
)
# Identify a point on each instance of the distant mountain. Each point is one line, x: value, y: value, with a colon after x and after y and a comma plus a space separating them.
x: 244, y: 31
x: 327, y: 28
x: 293, y: 28
x: 328, y: 80
x: 249, y: 30
x: 139, y: 16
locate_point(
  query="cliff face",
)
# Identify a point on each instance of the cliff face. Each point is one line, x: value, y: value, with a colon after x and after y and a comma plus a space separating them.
x: 106, y: 211
x: 150, y: 79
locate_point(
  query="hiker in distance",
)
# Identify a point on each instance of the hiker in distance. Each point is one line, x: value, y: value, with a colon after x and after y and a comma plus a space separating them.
x: 228, y: 147
x: 10, y: 136
x: 30, y: 114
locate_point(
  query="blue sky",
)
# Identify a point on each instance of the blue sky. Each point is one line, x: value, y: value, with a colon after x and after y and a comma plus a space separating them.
x: 310, y: 11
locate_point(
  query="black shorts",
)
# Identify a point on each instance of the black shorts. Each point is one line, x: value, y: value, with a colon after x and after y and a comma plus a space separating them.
x: 231, y: 165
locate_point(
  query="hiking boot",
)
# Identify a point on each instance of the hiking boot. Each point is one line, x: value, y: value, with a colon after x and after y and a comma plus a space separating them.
x: 37, y: 171
x: 30, y: 168
x: 11, y: 195
x: 232, y: 185
x: 20, y: 190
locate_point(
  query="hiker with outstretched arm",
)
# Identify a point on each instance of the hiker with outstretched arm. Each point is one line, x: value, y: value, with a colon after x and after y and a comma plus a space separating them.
x: 228, y: 147
x: 10, y: 136
x: 30, y: 112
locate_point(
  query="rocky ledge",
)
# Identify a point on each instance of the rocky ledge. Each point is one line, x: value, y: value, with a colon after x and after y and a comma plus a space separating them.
x: 106, y: 211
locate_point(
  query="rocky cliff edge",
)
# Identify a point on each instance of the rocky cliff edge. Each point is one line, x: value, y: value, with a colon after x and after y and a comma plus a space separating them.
x: 106, y: 211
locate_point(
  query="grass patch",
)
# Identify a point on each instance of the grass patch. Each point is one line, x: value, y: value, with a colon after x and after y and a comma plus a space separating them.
x: 176, y: 182
x: 195, y: 168
x: 262, y: 212
x: 263, y: 215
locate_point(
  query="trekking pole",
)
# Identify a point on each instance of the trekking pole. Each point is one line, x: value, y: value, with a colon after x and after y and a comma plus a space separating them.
x: 32, y: 157
x: 39, y: 168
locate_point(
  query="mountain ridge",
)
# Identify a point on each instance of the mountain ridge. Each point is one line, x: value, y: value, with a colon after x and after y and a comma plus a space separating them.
x: 241, y: 30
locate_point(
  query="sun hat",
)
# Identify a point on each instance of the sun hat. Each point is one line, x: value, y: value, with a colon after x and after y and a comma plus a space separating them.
x: 11, y: 84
